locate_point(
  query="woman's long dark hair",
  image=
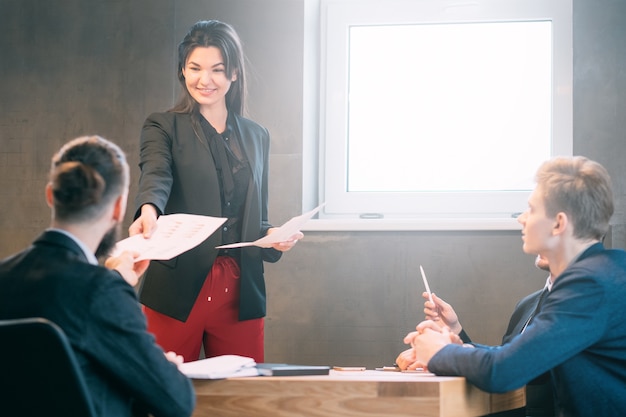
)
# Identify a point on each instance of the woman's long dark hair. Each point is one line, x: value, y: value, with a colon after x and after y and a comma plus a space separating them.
x: 222, y: 36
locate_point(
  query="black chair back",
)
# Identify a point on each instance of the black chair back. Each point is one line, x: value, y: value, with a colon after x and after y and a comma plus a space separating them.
x: 39, y: 373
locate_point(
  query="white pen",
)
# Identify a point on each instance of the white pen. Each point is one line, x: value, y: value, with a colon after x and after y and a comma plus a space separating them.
x: 430, y: 296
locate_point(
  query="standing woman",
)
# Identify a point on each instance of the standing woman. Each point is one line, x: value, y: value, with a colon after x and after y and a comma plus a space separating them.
x: 203, y: 157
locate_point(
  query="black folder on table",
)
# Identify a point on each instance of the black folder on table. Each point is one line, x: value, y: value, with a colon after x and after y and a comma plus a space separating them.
x: 285, y: 369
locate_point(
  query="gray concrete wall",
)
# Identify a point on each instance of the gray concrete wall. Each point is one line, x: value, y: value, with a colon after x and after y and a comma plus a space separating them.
x: 74, y: 67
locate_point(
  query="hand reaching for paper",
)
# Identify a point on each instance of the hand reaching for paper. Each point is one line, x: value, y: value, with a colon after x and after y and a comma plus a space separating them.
x: 126, y: 265
x: 171, y: 235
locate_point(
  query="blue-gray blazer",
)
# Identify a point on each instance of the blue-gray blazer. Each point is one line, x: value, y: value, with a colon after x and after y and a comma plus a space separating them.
x: 579, y: 335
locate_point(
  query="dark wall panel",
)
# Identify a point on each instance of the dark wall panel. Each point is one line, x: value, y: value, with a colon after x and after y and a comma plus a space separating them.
x: 70, y: 68
x: 600, y: 95
x: 73, y: 67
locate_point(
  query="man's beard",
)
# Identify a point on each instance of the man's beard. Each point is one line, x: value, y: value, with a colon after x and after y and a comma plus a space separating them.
x: 108, y: 241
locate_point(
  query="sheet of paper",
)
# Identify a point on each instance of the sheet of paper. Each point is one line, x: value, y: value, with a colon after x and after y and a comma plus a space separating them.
x: 219, y: 367
x: 175, y: 234
x: 280, y: 234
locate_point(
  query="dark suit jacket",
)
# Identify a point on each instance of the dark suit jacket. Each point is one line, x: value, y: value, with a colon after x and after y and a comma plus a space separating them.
x: 579, y: 336
x: 523, y: 309
x: 539, y: 395
x: 178, y: 175
x: 102, y: 318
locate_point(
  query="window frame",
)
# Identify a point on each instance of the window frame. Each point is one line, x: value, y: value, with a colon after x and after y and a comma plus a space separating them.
x: 324, y: 16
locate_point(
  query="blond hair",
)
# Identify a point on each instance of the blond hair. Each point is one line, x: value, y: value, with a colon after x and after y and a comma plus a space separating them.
x: 581, y: 188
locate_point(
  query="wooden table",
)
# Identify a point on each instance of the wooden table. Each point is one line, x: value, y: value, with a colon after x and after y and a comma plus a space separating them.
x: 349, y: 393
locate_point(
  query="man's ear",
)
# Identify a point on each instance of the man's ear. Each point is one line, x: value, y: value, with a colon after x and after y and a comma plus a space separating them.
x: 49, y: 196
x: 119, y: 208
x: 561, y: 223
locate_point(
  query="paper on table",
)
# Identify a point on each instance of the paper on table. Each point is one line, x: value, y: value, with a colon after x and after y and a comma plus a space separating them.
x: 281, y: 233
x: 219, y: 367
x: 175, y: 234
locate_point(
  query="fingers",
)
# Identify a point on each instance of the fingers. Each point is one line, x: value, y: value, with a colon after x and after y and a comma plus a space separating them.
x: 430, y: 309
x: 284, y: 246
x: 408, y: 339
x: 454, y: 338
x: 145, y: 223
x: 135, y: 228
x: 124, y: 258
x: 174, y: 358
x: 140, y: 267
x: 287, y: 244
x: 441, y: 304
x: 405, y: 359
x: 143, y: 226
x: 127, y: 267
x: 426, y: 325
x: 427, y: 303
x: 415, y: 365
x: 297, y: 236
x: 430, y: 325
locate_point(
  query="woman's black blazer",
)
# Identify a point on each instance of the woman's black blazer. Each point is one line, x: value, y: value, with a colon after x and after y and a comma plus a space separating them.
x: 178, y: 175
